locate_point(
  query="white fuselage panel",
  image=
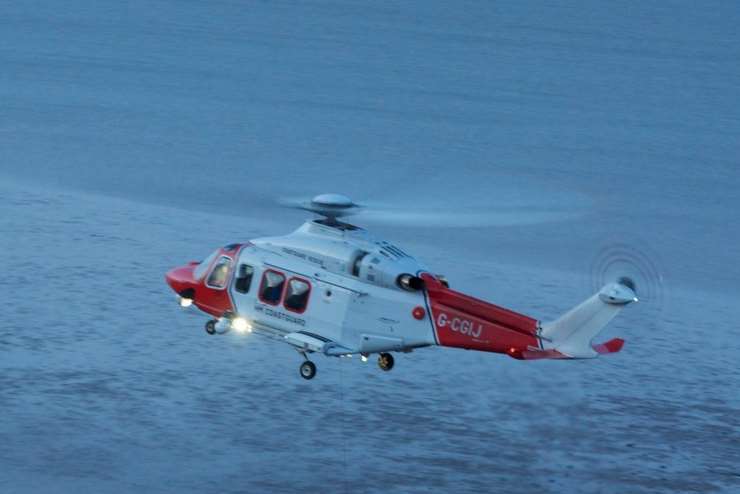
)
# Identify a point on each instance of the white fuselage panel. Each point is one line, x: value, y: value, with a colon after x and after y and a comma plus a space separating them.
x: 343, y: 307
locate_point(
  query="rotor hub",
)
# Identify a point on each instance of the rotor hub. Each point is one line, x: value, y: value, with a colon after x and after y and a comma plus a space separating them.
x: 338, y: 201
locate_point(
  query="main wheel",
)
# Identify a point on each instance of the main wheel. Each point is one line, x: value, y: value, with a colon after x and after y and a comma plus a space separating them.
x: 308, y: 369
x: 385, y: 361
x: 211, y: 327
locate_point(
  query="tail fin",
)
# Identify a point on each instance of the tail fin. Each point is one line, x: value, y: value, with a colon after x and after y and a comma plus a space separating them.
x: 571, y: 334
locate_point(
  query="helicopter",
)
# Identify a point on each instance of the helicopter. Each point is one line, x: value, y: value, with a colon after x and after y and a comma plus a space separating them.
x: 332, y: 288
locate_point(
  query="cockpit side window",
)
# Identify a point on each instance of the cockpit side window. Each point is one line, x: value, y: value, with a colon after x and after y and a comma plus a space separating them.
x: 244, y: 278
x: 271, y: 288
x: 296, y: 296
x: 220, y: 273
x: 200, y: 269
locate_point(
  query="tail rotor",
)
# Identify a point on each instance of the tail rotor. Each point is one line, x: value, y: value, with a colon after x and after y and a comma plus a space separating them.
x: 633, y: 266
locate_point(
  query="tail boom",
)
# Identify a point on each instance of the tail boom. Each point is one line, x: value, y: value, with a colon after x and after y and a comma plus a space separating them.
x: 463, y: 321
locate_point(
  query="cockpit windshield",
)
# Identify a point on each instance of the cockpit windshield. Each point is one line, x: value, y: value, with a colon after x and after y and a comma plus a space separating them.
x: 220, y: 273
x: 200, y: 269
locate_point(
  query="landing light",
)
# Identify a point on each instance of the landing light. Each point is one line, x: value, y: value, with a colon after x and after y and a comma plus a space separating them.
x: 240, y: 325
x: 186, y: 302
x: 364, y: 358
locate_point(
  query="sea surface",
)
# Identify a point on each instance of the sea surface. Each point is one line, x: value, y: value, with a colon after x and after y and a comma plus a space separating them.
x: 137, y: 136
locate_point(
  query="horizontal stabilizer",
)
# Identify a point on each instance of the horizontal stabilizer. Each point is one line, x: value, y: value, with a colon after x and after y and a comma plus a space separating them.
x: 611, y: 346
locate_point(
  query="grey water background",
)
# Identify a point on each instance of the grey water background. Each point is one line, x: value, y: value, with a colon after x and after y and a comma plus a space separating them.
x: 137, y: 136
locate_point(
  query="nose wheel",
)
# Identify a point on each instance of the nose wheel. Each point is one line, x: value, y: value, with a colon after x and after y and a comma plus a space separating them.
x: 385, y: 361
x: 308, y: 370
x: 211, y: 327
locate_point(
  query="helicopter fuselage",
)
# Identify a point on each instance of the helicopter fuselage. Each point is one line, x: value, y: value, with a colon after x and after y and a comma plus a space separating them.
x: 347, y: 279
x: 332, y: 288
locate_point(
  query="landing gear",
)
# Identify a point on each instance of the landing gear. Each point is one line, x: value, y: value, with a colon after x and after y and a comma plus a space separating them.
x: 211, y: 326
x: 308, y: 370
x: 385, y: 361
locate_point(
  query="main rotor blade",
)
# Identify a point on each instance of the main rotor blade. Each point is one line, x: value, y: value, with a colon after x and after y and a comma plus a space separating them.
x: 401, y: 215
x: 460, y: 219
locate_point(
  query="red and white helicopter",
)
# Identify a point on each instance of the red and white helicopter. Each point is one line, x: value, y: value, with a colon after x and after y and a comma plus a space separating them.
x: 332, y: 288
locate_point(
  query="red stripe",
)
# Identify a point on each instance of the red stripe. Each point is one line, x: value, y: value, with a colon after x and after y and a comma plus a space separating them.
x: 463, y: 321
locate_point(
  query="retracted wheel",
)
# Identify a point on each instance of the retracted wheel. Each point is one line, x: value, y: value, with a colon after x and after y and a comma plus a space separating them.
x: 308, y: 369
x: 385, y: 361
x: 211, y: 327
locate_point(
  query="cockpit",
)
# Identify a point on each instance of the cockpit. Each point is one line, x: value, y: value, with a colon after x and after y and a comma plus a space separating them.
x: 220, y: 273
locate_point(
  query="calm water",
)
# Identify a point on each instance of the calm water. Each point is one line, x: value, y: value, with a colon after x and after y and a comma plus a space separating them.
x: 136, y: 137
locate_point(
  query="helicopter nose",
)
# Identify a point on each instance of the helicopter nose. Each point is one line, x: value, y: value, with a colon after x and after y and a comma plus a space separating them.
x: 181, y: 279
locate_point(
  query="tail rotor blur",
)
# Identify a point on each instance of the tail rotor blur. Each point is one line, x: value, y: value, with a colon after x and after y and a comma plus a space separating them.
x: 633, y: 266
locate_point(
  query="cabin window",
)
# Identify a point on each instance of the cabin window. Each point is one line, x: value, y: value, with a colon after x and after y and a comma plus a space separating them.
x: 296, y: 296
x: 271, y: 288
x: 244, y: 278
x: 220, y: 273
